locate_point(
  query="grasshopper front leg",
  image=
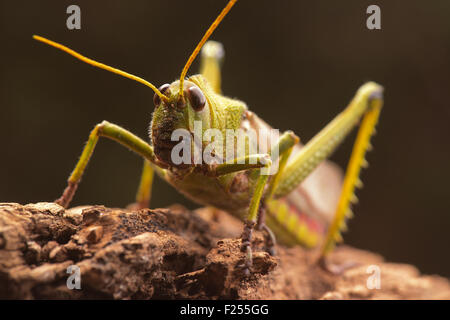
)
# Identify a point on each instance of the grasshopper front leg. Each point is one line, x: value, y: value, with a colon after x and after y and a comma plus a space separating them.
x: 257, y: 162
x: 252, y: 216
x: 284, y: 147
x: 124, y: 137
x: 211, y: 59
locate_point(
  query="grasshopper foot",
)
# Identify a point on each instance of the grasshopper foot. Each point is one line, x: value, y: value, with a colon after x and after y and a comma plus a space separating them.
x: 248, y: 262
x: 334, y: 268
x: 67, y: 195
x: 246, y: 246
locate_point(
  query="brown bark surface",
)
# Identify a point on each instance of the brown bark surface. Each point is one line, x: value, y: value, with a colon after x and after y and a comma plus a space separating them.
x: 176, y: 253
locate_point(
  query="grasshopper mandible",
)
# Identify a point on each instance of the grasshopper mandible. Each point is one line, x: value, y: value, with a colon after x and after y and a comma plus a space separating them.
x: 306, y: 201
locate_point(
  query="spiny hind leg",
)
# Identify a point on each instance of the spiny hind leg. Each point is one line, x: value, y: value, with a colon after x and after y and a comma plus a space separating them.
x: 114, y: 132
x: 367, y: 105
x: 351, y: 182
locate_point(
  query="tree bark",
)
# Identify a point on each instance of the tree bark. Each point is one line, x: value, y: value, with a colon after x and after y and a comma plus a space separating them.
x: 175, y: 253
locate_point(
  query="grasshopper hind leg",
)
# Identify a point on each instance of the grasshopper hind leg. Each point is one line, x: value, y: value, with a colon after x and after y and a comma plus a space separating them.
x: 364, y: 109
x: 351, y: 182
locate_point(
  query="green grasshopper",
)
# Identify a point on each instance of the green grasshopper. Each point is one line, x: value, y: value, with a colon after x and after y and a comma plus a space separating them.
x: 305, y: 202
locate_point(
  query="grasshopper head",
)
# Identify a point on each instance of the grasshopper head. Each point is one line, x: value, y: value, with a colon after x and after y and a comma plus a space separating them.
x: 178, y: 113
x: 181, y: 103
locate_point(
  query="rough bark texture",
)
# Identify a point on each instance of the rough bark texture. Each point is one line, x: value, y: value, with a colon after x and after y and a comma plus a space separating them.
x: 175, y: 253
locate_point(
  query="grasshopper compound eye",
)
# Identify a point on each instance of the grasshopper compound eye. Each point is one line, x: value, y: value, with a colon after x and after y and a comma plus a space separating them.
x: 164, y: 89
x: 196, y: 98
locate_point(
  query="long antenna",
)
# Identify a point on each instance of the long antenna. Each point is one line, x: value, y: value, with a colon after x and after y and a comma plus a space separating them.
x: 202, y: 42
x: 101, y: 65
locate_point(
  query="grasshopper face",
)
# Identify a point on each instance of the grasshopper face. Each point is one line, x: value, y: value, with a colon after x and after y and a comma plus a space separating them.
x: 174, y: 114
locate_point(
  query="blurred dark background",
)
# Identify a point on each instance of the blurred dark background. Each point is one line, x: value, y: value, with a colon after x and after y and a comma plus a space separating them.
x: 296, y: 63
